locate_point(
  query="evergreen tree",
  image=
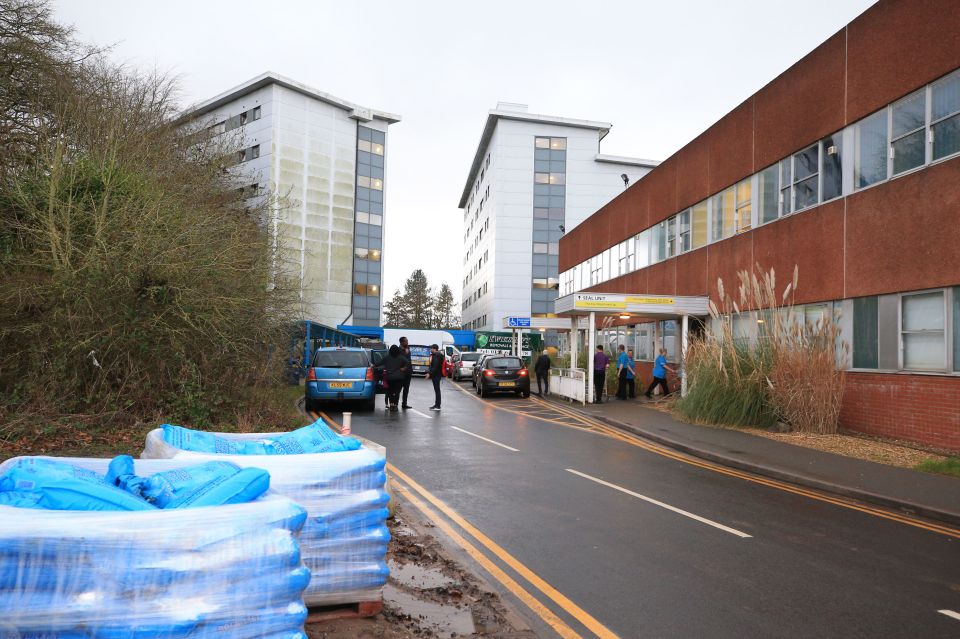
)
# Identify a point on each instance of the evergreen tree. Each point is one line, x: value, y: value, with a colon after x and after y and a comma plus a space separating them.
x: 443, y: 314
x: 418, y: 300
x: 395, y: 311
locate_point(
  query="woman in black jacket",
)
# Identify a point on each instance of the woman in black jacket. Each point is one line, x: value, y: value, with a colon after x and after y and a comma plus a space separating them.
x: 395, y: 367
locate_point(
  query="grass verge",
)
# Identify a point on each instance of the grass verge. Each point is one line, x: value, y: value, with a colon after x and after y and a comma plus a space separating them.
x: 947, y: 466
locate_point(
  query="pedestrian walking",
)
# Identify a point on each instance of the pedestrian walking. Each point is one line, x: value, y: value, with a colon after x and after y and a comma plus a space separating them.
x: 542, y: 369
x: 395, y: 365
x: 631, y: 374
x: 600, y: 361
x: 623, y: 368
x: 660, y: 368
x: 435, y: 374
x: 405, y: 348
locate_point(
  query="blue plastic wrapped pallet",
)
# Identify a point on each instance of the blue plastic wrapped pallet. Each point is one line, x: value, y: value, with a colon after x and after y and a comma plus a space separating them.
x: 210, y: 571
x: 344, y: 541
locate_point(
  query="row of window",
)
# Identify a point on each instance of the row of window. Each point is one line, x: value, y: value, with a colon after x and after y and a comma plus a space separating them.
x: 249, y: 153
x: 480, y: 322
x: 235, y: 122
x: 368, y: 182
x: 549, y: 215
x: 366, y: 289
x: 372, y: 255
x: 476, y: 187
x: 369, y: 218
x: 922, y: 128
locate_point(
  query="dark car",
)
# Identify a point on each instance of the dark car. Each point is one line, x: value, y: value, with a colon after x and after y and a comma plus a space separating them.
x: 503, y: 374
x: 477, y: 367
x: 376, y: 361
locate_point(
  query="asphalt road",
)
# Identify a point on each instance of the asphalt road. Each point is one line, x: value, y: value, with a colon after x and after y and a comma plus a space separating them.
x: 687, y: 552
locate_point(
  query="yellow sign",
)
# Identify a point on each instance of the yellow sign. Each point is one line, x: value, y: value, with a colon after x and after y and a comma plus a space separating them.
x: 598, y: 304
x: 632, y: 299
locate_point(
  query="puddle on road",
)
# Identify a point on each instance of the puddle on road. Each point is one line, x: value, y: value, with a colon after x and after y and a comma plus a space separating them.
x: 443, y: 619
x: 419, y: 577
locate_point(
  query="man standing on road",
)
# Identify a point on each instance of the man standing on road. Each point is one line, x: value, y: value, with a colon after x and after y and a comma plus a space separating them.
x: 600, y: 361
x: 405, y: 349
x: 435, y: 373
x: 623, y: 367
x: 542, y: 369
x: 631, y: 374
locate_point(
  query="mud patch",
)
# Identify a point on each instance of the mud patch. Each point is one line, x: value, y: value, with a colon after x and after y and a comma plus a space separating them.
x: 428, y: 595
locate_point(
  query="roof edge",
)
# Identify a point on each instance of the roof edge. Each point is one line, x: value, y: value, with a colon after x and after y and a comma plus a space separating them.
x: 622, y: 159
x: 270, y: 77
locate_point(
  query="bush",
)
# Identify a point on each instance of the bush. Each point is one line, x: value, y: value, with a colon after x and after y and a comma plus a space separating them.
x: 790, y: 373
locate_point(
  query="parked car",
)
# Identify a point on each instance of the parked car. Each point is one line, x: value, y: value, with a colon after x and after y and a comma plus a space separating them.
x: 340, y: 374
x: 376, y: 361
x: 477, y: 368
x: 463, y: 365
x: 503, y: 374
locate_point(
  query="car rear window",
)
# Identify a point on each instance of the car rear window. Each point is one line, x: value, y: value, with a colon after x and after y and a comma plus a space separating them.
x: 340, y: 359
x: 470, y: 357
x: 503, y: 362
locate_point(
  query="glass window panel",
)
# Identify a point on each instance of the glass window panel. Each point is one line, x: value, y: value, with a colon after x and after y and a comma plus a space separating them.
x: 541, y: 212
x: 786, y: 175
x: 374, y: 256
x: 671, y: 237
x: 865, y: 332
x: 642, y: 252
x: 558, y: 156
x: 378, y: 136
x: 541, y: 166
x: 363, y: 181
x: 946, y: 137
x: 558, y: 167
x: 541, y: 178
x: 364, y: 133
x: 909, y: 114
x: 541, y: 154
x: 744, y: 213
x: 744, y: 218
x: 542, y: 143
x: 376, y: 196
x: 909, y: 152
x: 922, y: 324
x: 376, y: 160
x: 805, y: 193
x: 363, y: 145
x: 698, y: 225
x: 871, y: 152
x: 946, y: 97
x: 768, y: 196
x: 723, y: 214
x: 363, y: 217
x: 558, y: 143
x: 832, y: 168
x: 805, y: 163
x: 541, y: 189
x: 539, y: 247
x: 923, y: 312
x: 376, y: 219
x: 923, y: 351
x: 376, y: 183
x: 376, y: 149
x: 557, y: 178
x: 557, y: 201
x: 659, y: 242
x: 557, y: 213
x: 683, y: 229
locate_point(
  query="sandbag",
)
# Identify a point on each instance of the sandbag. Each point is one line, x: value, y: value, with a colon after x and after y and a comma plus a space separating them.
x: 61, y: 486
x: 313, y: 438
x: 214, y: 483
x: 203, y: 442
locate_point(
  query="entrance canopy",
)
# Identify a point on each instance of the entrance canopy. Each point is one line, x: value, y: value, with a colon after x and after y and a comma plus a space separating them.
x: 583, y: 309
x: 633, y: 304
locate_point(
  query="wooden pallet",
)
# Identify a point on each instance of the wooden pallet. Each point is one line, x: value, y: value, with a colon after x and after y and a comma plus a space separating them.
x: 319, y: 614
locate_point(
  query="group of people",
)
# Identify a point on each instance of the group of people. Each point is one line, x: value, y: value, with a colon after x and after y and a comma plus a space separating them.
x: 626, y: 374
x: 398, y: 372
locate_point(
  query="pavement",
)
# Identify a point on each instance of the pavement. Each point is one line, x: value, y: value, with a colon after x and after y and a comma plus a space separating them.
x: 932, y: 496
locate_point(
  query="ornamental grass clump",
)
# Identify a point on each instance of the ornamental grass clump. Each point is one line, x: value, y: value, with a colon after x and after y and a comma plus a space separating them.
x: 761, y: 361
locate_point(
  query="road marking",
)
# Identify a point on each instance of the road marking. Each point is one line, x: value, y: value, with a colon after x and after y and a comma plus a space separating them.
x: 414, y: 410
x: 559, y: 598
x: 609, y: 431
x: 531, y: 602
x: 703, y: 520
x: 950, y: 613
x: 485, y: 439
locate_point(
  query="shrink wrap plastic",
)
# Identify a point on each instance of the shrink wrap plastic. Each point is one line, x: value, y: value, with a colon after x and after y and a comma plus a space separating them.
x: 218, y: 571
x: 344, y: 540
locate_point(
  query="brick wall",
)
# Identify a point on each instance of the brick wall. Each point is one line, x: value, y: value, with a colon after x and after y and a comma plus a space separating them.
x: 922, y: 408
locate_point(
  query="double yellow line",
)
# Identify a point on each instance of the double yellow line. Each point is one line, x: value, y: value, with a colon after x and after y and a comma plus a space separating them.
x: 417, y: 495
x: 772, y: 483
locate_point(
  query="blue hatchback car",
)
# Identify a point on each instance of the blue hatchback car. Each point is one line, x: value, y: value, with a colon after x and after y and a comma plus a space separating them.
x: 340, y: 374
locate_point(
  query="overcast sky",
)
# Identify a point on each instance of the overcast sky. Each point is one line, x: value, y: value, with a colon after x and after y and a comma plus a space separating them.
x: 660, y: 71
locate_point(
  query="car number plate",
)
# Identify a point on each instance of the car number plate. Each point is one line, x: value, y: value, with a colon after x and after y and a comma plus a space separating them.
x: 508, y: 383
x: 340, y: 384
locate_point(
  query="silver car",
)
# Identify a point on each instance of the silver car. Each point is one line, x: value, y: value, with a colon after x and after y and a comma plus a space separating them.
x: 463, y: 367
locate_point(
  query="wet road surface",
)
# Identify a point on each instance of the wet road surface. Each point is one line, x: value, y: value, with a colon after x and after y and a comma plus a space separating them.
x: 598, y: 533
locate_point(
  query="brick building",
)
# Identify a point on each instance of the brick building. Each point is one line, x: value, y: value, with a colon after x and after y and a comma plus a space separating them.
x: 847, y: 165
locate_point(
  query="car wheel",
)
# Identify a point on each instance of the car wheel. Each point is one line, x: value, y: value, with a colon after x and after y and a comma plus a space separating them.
x: 480, y: 389
x: 309, y: 405
x: 370, y: 404
x: 526, y: 394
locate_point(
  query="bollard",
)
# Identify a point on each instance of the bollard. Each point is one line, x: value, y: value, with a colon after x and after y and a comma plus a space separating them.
x: 345, y: 429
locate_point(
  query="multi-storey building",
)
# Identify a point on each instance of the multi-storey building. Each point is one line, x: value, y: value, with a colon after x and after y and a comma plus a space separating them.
x: 326, y: 157
x: 847, y: 167
x: 533, y: 178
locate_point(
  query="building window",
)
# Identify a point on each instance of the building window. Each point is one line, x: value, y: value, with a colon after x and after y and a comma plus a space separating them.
x: 865, y: 332
x: 698, y: 225
x: 744, y: 215
x: 806, y: 176
x: 786, y: 179
x: 870, y: 137
x: 945, y: 117
x: 671, y: 237
x: 832, y: 166
x: 922, y: 320
x: 366, y: 289
x: 723, y: 214
x: 769, y: 196
x: 907, y: 128
x: 250, y: 153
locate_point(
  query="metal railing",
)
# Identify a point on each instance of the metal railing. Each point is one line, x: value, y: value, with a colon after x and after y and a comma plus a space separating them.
x: 570, y: 383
